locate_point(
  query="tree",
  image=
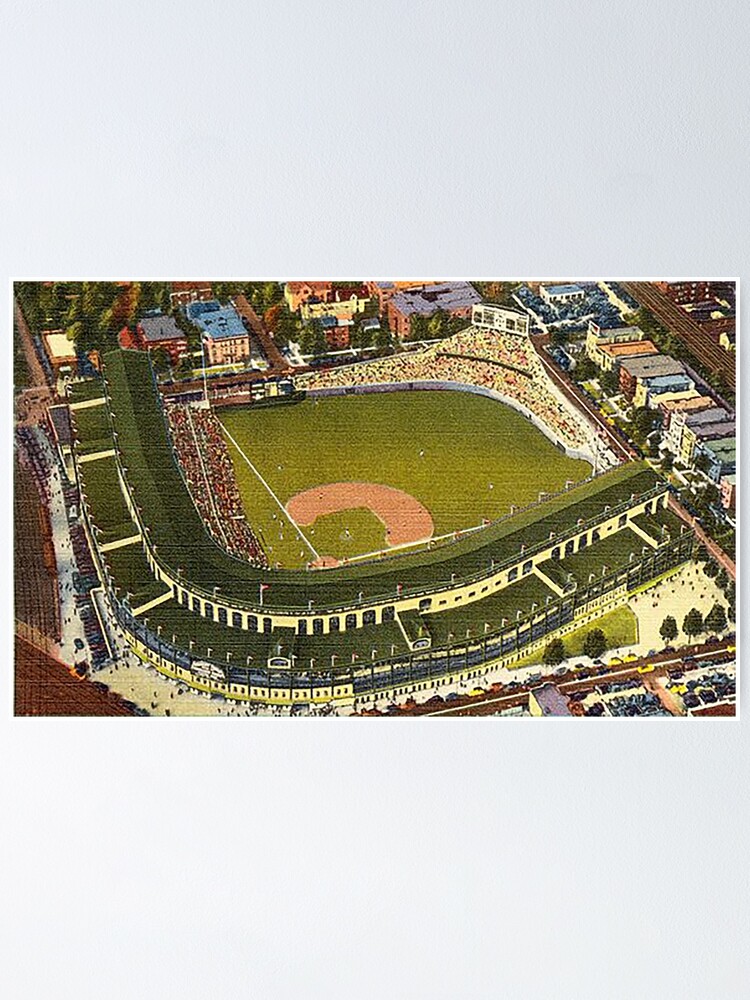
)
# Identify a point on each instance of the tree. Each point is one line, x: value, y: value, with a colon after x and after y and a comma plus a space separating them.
x: 667, y: 462
x: 702, y: 463
x: 610, y: 382
x: 585, y: 369
x: 554, y: 652
x: 418, y: 327
x: 692, y: 624
x: 595, y: 643
x: 710, y: 568
x: 644, y: 421
x: 184, y: 367
x: 716, y: 619
x: 160, y: 360
x: 383, y: 341
x: 668, y: 630
x: 313, y: 339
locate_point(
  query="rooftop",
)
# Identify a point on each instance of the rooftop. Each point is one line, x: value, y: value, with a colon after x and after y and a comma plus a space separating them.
x: 696, y: 402
x: 217, y: 321
x: 159, y: 328
x: 629, y: 348
x: 674, y: 382
x: 60, y: 417
x: 707, y: 416
x: 657, y: 364
x: 551, y: 700
x: 722, y: 428
x: 190, y: 286
x: 59, y: 347
x: 447, y: 295
x: 562, y: 289
x: 724, y: 449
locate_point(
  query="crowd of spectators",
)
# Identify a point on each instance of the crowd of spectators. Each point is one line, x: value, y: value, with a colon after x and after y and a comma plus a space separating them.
x: 504, y: 364
x: 207, y: 467
x: 35, y: 453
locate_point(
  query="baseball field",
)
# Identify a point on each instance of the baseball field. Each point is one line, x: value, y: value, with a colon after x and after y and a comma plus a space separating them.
x: 359, y: 474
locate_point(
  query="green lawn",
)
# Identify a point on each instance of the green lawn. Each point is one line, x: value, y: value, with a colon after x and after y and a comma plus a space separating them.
x: 620, y: 628
x: 463, y: 456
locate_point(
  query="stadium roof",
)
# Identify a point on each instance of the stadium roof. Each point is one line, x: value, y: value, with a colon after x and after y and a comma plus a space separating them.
x: 448, y: 296
x: 160, y: 328
x: 217, y: 321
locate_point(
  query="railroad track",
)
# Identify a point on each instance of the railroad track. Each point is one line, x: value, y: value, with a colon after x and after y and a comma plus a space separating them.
x: 705, y: 350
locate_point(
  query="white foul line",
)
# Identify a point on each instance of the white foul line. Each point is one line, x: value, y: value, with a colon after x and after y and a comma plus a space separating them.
x: 283, y: 508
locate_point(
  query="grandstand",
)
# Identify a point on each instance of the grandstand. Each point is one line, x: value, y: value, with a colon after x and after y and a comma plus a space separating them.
x: 228, y: 624
x: 502, y: 364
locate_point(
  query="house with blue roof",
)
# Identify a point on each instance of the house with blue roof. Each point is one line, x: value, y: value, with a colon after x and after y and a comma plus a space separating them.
x: 226, y: 340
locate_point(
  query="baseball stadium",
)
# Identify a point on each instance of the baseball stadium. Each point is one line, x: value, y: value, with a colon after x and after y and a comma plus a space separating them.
x: 385, y: 526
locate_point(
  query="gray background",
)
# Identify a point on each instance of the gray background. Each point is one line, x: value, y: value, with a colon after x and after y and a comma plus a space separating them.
x: 372, y: 859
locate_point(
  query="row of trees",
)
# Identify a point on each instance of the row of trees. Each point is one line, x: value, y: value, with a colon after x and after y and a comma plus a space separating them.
x: 595, y: 641
x: 92, y: 313
x: 312, y: 339
x: 694, y: 624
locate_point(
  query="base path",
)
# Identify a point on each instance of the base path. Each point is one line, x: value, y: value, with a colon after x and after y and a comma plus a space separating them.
x: 406, y: 520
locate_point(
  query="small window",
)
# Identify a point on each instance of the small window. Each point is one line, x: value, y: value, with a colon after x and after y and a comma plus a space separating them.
x: 512, y: 574
x: 527, y: 566
x: 318, y: 626
x: 252, y: 623
x: 236, y: 619
x: 350, y: 621
x: 267, y: 625
x: 334, y: 624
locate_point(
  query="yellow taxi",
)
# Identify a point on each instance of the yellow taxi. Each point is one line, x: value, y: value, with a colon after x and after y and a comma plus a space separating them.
x: 646, y: 668
x: 629, y: 658
x: 614, y: 661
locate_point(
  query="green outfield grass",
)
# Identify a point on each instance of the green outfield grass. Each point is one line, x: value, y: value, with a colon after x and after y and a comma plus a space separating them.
x: 463, y: 456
